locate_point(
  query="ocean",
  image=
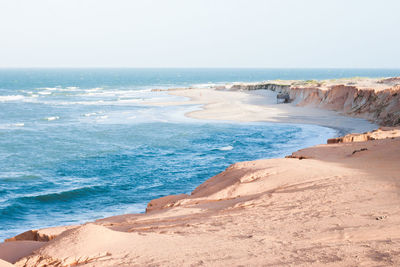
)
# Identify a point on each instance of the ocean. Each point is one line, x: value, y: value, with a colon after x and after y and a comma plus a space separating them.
x: 79, y: 144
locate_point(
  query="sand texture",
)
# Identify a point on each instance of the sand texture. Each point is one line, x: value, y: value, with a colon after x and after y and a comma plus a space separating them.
x: 336, y: 204
x: 260, y: 105
x: 375, y: 100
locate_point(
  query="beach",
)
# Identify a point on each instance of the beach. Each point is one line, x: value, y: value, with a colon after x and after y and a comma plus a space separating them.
x: 332, y: 204
x: 199, y: 133
x: 260, y: 105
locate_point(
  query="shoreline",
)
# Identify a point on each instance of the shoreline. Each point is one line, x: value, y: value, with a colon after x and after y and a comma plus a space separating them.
x: 372, y: 99
x: 244, y: 190
x: 321, y: 206
x: 260, y: 106
x: 285, y: 114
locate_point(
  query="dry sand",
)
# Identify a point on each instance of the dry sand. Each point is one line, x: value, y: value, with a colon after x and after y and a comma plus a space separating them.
x: 330, y: 205
x: 376, y: 84
x: 260, y: 105
x: 337, y: 206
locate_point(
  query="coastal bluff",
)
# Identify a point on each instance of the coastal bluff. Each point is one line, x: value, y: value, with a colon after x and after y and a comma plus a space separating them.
x: 377, y: 100
x: 335, y: 204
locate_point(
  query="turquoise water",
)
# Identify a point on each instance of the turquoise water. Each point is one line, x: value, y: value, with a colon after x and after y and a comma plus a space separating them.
x: 78, y: 144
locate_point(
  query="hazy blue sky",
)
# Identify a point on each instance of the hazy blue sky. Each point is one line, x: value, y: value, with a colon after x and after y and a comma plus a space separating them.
x: 200, y: 33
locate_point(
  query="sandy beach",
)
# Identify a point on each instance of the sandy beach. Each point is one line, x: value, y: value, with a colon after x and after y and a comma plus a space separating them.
x: 261, y: 105
x: 331, y: 205
x: 334, y: 204
x: 206, y: 133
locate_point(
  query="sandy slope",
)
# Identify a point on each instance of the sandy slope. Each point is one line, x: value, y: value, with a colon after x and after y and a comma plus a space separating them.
x: 338, y: 205
x: 332, y: 205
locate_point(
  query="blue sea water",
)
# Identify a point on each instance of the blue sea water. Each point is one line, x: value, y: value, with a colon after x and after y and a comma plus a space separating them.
x: 78, y: 144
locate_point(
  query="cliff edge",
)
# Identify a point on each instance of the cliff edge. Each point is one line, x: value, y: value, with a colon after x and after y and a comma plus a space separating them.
x: 335, y: 204
x: 377, y: 100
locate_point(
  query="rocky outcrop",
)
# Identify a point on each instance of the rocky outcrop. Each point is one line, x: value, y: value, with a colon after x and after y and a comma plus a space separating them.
x: 381, y: 133
x: 379, y: 106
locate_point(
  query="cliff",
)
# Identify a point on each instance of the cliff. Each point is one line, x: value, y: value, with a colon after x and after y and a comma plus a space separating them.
x: 381, y: 133
x: 334, y: 204
x: 328, y: 209
x: 377, y: 100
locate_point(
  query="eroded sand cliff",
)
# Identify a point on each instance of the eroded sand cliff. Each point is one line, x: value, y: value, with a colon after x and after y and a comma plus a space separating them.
x: 377, y: 100
x: 336, y: 204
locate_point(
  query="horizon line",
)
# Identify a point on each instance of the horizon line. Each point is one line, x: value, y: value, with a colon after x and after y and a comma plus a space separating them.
x: 106, y: 67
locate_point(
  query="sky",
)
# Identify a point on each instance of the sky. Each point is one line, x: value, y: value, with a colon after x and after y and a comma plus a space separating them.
x: 200, y: 33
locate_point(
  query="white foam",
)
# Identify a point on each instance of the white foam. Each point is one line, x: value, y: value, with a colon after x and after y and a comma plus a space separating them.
x: 98, y: 102
x: 52, y: 118
x: 90, y: 114
x: 44, y: 93
x: 88, y: 103
x: 94, y: 89
x: 59, y: 88
x: 225, y: 148
x: 127, y: 101
x: 7, y: 98
x: 116, y: 93
x: 98, y: 94
x: 143, y: 90
x: 206, y: 85
x: 31, y: 94
x: 50, y: 88
x: 11, y: 125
